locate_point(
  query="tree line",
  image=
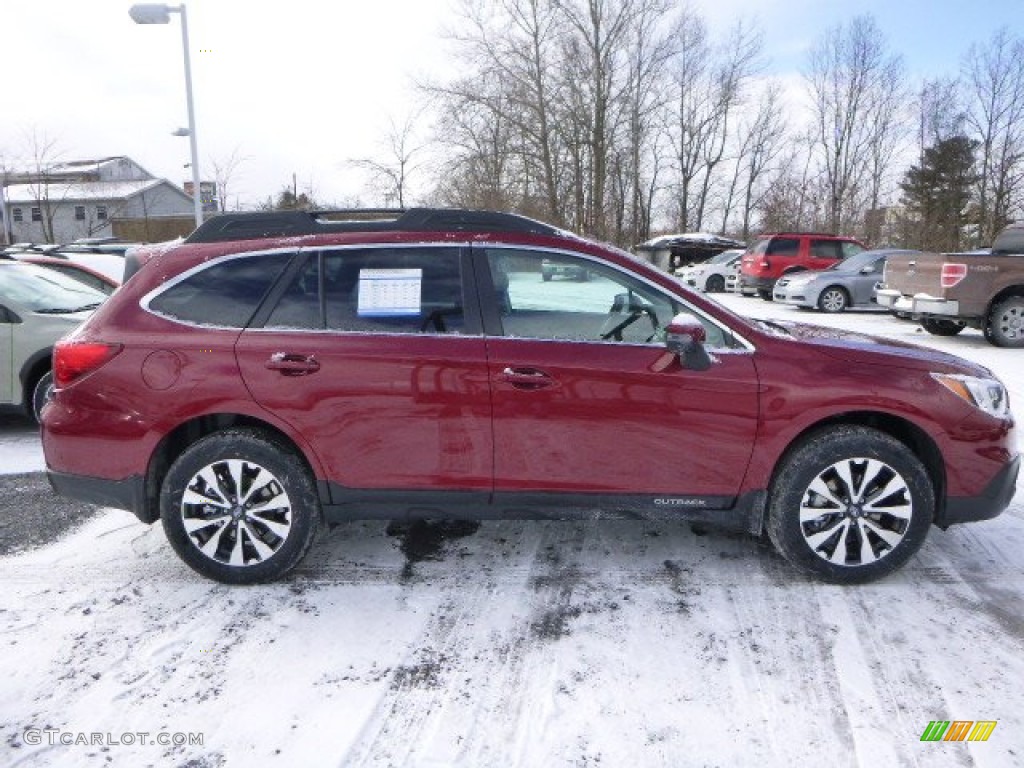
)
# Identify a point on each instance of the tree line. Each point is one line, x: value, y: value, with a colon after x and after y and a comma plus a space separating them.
x: 620, y: 118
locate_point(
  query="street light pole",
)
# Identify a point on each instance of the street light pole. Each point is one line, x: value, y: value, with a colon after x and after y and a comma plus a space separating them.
x: 153, y: 13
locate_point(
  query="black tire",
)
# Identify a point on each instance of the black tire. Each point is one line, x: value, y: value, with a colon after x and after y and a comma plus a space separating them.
x: 893, y: 505
x: 264, y: 543
x: 41, y: 394
x: 938, y: 327
x: 833, y: 299
x: 715, y: 284
x: 766, y: 295
x: 1005, y: 326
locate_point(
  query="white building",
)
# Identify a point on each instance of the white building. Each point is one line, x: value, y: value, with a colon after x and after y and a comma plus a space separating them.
x: 79, y: 199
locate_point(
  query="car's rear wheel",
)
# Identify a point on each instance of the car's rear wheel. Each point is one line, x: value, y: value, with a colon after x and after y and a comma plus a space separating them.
x: 833, y: 299
x: 939, y: 327
x: 41, y: 394
x: 766, y: 295
x: 240, y: 507
x: 850, y: 504
x: 715, y: 284
x: 1006, y: 323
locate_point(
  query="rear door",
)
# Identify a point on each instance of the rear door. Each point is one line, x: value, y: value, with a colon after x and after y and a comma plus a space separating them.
x: 588, y: 401
x: 375, y: 356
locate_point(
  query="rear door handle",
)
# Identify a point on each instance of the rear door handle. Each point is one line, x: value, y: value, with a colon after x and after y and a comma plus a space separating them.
x: 292, y: 365
x: 526, y: 378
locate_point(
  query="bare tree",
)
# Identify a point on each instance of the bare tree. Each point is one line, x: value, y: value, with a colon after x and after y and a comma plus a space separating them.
x: 225, y: 170
x: 994, y: 85
x: 47, y: 192
x: 760, y: 141
x: 709, y: 83
x: 940, y: 112
x: 390, y: 171
x: 854, y: 82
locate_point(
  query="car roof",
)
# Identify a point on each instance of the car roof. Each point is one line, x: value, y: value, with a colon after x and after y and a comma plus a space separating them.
x: 49, y: 261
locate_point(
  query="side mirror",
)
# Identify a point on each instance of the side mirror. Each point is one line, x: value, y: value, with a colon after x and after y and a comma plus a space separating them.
x: 867, y: 270
x: 685, y: 337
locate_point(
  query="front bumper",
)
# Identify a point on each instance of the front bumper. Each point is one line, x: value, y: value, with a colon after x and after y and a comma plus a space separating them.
x: 988, y: 504
x: 795, y: 296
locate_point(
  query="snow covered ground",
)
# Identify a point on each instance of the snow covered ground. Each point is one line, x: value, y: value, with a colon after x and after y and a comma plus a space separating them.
x: 520, y: 644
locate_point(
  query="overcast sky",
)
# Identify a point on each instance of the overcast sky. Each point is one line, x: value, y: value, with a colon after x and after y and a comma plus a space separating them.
x: 305, y: 85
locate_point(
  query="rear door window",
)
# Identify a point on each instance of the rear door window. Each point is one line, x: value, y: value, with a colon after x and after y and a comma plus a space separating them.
x: 826, y: 249
x: 376, y: 290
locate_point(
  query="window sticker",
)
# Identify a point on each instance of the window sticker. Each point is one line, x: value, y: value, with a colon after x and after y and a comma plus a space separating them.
x: 389, y: 292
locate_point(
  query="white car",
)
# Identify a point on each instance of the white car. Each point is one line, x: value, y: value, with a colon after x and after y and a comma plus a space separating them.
x: 37, y: 307
x: 712, y: 276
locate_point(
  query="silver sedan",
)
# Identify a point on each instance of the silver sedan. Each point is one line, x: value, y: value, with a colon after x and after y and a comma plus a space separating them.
x: 849, y: 283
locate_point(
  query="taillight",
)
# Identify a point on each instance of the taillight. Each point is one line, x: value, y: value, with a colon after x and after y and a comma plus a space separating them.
x: 74, y: 359
x: 952, y: 274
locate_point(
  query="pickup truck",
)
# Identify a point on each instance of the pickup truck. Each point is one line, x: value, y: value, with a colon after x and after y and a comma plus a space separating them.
x: 948, y: 292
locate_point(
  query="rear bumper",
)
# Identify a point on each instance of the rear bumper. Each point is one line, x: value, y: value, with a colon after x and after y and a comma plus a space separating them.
x: 748, y: 283
x: 988, y: 504
x: 126, y: 494
x: 919, y: 304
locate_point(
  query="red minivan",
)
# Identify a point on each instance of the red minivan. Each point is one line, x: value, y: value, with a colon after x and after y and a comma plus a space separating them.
x: 278, y: 371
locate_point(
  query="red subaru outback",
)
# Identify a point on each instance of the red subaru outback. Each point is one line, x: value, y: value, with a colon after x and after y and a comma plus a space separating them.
x: 277, y: 371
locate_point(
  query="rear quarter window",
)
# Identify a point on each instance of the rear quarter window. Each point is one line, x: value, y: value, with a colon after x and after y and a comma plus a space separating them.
x: 224, y: 294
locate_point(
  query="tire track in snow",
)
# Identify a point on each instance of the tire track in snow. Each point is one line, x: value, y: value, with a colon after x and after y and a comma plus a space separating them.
x: 458, y: 679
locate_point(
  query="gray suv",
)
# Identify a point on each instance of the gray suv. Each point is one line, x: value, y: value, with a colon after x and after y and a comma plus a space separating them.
x: 37, y: 307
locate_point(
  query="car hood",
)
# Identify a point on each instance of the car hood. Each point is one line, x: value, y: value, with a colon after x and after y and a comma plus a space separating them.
x: 860, y: 347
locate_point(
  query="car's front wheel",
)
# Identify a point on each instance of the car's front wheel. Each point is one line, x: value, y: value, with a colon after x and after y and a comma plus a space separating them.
x: 833, y: 299
x: 240, y: 507
x: 850, y: 504
x: 715, y: 284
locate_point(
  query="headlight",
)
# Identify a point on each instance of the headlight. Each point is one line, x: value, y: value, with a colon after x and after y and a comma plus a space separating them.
x: 987, y: 394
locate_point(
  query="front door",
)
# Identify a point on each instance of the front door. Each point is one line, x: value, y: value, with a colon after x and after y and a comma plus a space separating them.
x: 587, y: 399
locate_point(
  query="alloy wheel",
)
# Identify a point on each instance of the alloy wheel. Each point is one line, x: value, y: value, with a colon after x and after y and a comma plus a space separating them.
x: 236, y: 512
x: 855, y: 512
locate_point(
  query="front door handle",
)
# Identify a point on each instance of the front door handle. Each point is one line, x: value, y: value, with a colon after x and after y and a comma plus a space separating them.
x: 526, y: 378
x: 292, y: 365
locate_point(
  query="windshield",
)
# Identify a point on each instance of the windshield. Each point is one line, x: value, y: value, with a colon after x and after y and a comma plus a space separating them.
x: 857, y: 261
x: 724, y: 257
x: 44, y: 290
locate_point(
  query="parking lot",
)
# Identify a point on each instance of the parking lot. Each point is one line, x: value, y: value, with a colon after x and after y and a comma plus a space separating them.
x: 506, y: 644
